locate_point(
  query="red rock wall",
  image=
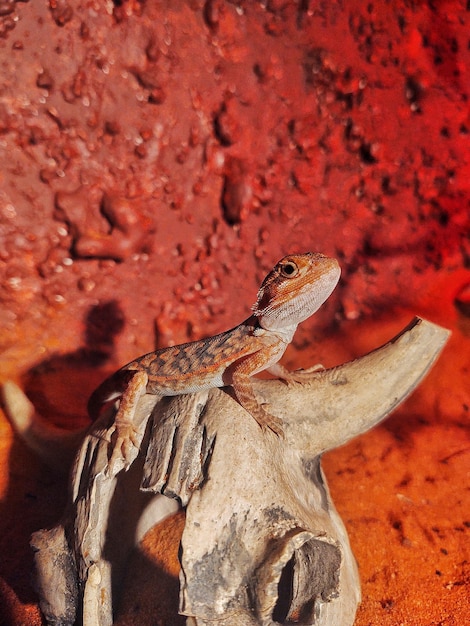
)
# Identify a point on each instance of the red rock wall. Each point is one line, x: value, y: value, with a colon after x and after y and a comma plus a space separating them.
x: 159, y: 157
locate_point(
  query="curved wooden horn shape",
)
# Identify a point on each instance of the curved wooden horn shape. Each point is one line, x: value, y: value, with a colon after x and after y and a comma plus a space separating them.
x: 263, y: 543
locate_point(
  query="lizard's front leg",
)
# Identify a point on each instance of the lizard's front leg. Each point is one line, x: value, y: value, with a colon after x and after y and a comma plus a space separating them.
x: 125, y: 422
x: 242, y: 385
x: 296, y: 376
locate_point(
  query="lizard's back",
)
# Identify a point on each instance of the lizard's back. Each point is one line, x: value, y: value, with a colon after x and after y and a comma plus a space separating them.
x: 184, y: 368
x: 196, y: 365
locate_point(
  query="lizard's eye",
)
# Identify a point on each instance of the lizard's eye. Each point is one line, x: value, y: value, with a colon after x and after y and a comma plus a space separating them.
x: 289, y: 269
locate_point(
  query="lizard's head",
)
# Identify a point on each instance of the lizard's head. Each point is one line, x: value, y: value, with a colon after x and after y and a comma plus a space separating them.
x: 294, y: 289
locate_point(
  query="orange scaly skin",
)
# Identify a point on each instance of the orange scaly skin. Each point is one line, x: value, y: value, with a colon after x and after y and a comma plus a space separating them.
x: 295, y: 288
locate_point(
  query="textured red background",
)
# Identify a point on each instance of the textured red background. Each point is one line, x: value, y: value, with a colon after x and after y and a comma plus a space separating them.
x: 157, y: 159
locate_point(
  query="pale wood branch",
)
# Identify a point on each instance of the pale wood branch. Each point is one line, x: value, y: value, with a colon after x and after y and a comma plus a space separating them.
x: 262, y: 543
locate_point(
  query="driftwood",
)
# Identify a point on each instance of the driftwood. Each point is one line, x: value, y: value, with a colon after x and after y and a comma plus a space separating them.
x: 263, y: 543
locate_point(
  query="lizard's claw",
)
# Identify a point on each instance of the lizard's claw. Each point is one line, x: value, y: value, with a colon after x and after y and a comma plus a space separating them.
x: 124, y: 448
x: 301, y: 375
x: 310, y: 370
x: 270, y: 421
x: 128, y: 438
x: 277, y: 428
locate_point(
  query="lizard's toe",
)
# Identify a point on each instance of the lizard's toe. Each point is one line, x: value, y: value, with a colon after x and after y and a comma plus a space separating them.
x: 276, y: 426
x: 266, y: 420
x: 125, y: 448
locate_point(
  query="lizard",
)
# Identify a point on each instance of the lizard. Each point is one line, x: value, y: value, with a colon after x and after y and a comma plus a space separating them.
x: 294, y: 289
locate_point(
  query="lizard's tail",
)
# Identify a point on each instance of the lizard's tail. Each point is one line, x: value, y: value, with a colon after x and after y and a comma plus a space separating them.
x: 110, y: 389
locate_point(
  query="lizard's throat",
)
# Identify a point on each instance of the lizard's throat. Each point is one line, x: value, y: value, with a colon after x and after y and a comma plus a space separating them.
x: 285, y: 333
x: 289, y: 312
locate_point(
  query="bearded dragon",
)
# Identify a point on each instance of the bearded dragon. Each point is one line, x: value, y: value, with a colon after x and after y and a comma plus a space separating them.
x: 294, y: 289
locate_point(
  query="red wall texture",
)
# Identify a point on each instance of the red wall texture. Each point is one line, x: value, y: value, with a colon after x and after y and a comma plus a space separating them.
x: 157, y: 159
